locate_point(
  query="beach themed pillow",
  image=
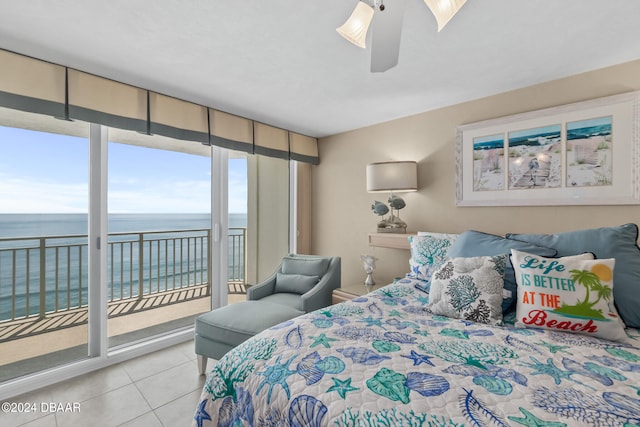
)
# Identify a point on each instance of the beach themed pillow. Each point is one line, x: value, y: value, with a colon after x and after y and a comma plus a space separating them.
x: 428, y: 253
x: 568, y: 294
x: 469, y: 288
x: 619, y: 242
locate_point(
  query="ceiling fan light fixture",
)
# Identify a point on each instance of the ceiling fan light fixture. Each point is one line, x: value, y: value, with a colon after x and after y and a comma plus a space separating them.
x: 356, y: 27
x: 444, y: 10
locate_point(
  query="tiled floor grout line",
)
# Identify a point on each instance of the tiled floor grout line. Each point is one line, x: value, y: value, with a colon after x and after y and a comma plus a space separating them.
x: 158, y: 367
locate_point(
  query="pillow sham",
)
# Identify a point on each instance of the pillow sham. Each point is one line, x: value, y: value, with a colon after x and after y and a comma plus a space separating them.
x: 607, y: 242
x: 295, y: 283
x: 476, y: 243
x: 469, y: 288
x: 568, y: 294
x: 428, y: 253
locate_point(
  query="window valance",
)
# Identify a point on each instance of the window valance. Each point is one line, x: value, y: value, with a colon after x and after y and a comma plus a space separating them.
x: 36, y: 86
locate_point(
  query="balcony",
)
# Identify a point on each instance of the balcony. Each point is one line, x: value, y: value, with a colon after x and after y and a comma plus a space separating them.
x: 153, y: 278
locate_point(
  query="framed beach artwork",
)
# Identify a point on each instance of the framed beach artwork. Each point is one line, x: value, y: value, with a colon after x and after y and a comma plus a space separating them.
x: 587, y: 153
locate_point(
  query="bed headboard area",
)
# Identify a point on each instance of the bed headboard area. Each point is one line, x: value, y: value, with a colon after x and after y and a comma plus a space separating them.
x: 429, y: 250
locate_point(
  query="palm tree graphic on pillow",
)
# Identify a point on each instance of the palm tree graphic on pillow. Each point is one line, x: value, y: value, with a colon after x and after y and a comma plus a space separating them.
x: 592, y: 282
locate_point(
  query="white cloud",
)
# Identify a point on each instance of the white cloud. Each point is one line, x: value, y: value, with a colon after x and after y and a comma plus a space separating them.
x: 24, y: 196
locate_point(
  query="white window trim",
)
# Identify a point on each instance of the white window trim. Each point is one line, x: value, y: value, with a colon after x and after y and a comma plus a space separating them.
x: 99, y: 354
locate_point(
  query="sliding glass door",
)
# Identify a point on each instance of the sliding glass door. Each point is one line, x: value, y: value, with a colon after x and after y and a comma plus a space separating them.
x: 158, y: 262
x: 111, y: 237
x: 43, y: 242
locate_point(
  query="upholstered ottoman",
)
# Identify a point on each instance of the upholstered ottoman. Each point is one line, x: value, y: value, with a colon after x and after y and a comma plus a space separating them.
x: 220, y: 330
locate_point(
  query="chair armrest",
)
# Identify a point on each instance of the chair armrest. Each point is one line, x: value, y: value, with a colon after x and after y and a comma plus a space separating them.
x: 262, y: 289
x: 320, y: 295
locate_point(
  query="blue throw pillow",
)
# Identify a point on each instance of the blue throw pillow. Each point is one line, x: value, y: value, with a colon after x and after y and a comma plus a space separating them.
x: 307, y: 266
x: 294, y: 283
x: 475, y: 243
x: 607, y: 242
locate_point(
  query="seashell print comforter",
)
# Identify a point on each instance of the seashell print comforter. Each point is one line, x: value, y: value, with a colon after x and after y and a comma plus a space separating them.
x: 381, y: 360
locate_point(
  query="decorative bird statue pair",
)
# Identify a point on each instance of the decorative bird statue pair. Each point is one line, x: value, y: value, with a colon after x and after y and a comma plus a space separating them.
x: 392, y: 224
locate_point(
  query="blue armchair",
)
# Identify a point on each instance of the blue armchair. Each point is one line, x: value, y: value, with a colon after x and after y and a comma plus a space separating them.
x: 302, y: 283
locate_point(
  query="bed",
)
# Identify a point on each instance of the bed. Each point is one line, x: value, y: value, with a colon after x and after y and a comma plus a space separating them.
x: 391, y: 358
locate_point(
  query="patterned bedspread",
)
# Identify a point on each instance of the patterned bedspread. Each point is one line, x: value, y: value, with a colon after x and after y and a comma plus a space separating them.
x: 381, y: 360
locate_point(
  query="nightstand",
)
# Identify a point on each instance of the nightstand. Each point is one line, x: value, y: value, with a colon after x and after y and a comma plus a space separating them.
x: 347, y: 293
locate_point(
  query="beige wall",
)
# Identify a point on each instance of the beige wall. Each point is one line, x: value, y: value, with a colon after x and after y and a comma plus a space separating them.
x: 341, y: 214
x: 268, y: 215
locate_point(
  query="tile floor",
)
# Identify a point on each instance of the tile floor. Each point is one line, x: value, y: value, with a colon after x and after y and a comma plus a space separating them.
x: 156, y: 390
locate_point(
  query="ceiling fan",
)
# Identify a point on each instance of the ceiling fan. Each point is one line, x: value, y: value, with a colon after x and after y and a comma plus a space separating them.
x: 386, y: 23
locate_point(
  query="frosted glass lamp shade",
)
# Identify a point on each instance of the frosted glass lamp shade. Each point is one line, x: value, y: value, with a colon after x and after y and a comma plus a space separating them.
x: 393, y: 177
x: 444, y: 10
x: 356, y: 27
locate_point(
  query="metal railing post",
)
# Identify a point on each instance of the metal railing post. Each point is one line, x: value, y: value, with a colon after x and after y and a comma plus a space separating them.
x: 245, y: 258
x: 140, y: 266
x: 209, y: 272
x: 43, y: 279
x: 173, y: 268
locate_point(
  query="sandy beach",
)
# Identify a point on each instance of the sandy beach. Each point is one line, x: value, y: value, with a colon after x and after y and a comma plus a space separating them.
x: 544, y: 162
x: 589, y: 162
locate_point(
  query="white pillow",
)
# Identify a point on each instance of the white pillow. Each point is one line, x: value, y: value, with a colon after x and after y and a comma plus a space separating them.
x: 428, y: 253
x: 469, y: 288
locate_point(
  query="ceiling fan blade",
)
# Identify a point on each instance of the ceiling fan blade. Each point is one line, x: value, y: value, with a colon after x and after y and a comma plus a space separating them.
x: 386, y: 30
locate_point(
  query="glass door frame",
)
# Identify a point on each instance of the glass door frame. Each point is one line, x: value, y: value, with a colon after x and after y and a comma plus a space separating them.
x: 99, y: 354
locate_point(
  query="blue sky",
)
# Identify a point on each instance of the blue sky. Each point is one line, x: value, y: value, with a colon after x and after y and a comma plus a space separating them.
x: 48, y: 173
x: 599, y: 121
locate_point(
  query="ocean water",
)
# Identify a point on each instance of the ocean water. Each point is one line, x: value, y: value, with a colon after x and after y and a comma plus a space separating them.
x: 164, y: 261
x: 37, y: 225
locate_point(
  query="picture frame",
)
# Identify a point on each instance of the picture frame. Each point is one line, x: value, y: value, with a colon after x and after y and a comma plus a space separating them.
x: 585, y: 153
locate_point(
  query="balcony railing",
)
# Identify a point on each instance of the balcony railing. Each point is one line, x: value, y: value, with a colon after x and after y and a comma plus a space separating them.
x: 41, y: 275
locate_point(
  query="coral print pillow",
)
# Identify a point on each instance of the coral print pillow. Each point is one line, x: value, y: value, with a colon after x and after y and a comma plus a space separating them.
x: 469, y: 288
x: 428, y: 253
x: 568, y: 294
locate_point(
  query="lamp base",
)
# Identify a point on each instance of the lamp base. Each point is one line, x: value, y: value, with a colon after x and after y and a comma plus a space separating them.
x: 396, y: 230
x: 392, y: 225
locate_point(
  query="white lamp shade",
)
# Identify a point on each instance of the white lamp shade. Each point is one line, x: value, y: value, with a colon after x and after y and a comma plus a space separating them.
x: 444, y: 10
x: 356, y: 27
x: 392, y: 177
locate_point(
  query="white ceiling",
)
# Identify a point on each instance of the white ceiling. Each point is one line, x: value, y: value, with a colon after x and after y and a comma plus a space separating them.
x: 281, y: 62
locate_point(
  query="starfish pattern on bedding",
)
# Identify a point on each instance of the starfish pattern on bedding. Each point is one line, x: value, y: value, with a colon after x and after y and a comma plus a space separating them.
x: 321, y: 339
x: 201, y: 415
x: 552, y: 370
x: 531, y: 420
x: 419, y: 359
x: 370, y: 321
x: 342, y: 387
